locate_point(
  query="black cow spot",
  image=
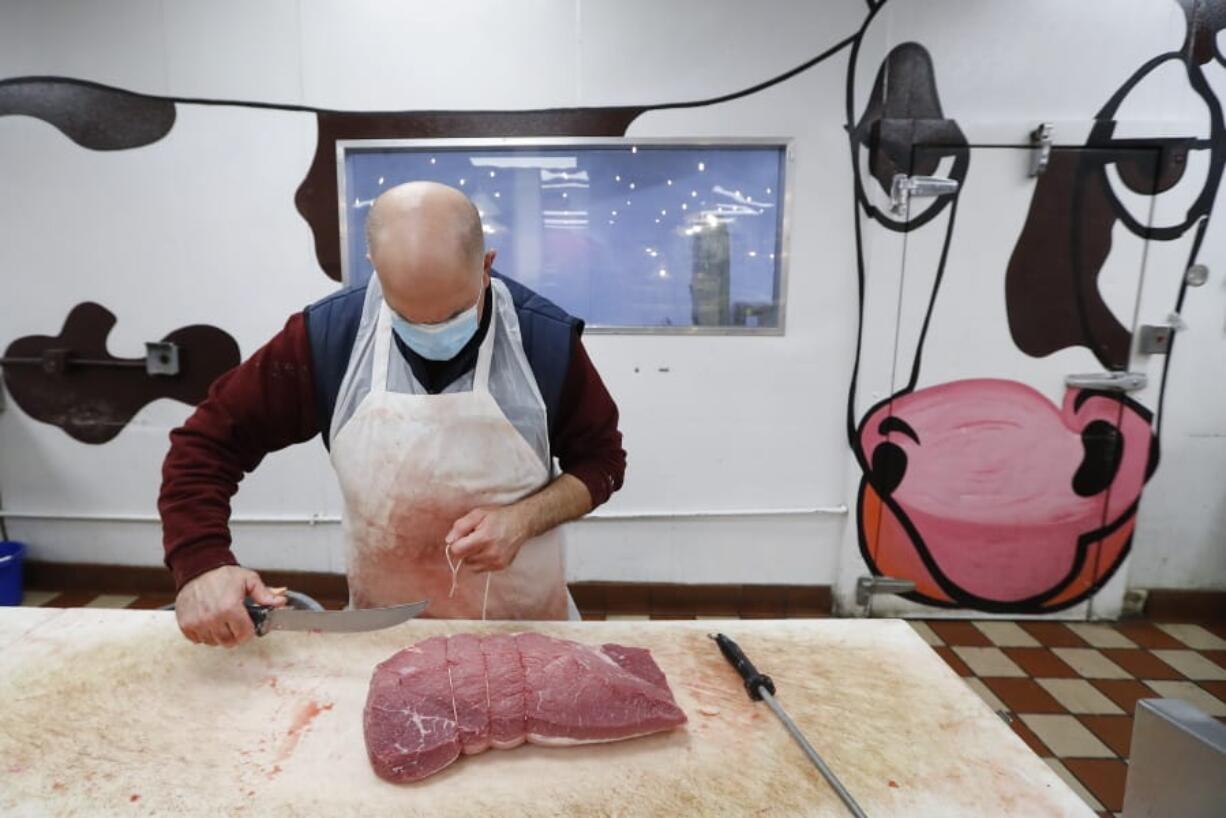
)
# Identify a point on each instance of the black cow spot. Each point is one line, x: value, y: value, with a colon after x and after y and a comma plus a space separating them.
x: 93, y: 402
x: 889, y: 468
x: 904, y: 110
x: 1104, y: 449
x: 94, y: 116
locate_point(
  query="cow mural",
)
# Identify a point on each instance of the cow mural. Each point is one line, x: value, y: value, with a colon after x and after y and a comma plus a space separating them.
x: 1000, y: 493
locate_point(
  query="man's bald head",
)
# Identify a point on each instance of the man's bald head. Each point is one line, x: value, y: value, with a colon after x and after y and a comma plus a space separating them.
x: 428, y: 249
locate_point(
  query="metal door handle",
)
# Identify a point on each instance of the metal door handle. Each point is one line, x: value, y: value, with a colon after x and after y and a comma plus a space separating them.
x: 1108, y: 381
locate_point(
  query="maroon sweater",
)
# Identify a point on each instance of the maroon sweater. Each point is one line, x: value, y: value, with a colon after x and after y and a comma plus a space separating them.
x: 267, y: 403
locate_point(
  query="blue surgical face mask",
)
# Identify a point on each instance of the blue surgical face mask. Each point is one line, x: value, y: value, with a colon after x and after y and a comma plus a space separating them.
x: 438, y: 342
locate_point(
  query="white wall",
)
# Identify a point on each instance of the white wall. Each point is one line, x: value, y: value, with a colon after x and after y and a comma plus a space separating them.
x: 201, y: 227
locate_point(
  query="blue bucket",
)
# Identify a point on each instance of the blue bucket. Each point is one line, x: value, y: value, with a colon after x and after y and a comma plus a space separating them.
x: 11, y: 554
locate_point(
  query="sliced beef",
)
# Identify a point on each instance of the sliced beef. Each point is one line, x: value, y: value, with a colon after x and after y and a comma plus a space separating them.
x: 465, y: 693
x: 505, y: 673
x: 410, y: 717
x: 470, y: 692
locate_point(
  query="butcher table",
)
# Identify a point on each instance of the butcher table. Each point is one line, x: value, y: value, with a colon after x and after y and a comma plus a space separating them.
x: 108, y: 712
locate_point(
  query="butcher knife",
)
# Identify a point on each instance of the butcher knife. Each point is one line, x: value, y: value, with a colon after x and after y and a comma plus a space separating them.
x: 267, y: 618
x: 760, y: 687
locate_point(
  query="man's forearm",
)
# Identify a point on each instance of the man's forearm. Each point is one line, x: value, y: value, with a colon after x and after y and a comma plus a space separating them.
x: 563, y: 500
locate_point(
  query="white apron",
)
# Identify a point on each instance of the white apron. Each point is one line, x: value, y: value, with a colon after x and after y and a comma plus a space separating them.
x: 410, y: 464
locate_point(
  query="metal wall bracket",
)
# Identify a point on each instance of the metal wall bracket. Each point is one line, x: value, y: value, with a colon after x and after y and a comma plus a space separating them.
x: 161, y: 358
x: 867, y: 587
x: 1040, y: 138
x: 904, y: 187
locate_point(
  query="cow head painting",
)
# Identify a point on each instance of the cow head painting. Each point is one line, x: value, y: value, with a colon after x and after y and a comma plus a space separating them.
x: 984, y: 478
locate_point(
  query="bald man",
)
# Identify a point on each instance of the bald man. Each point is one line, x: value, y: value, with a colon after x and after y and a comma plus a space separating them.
x: 444, y: 393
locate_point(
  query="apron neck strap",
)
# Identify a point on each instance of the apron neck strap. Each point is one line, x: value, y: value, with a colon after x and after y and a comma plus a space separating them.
x: 485, y: 353
x: 383, y: 346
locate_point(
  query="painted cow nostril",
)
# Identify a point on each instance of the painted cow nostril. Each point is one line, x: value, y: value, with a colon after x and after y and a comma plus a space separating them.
x: 1104, y: 449
x: 889, y: 468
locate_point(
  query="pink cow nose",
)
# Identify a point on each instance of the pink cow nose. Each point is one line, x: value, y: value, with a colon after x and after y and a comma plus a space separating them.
x: 993, y: 494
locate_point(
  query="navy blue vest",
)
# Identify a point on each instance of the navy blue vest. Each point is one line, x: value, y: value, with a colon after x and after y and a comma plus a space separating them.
x: 332, y: 325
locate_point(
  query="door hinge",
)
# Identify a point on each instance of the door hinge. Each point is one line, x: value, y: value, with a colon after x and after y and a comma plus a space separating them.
x: 1040, y: 137
x: 871, y: 586
x: 1108, y: 381
x: 904, y: 187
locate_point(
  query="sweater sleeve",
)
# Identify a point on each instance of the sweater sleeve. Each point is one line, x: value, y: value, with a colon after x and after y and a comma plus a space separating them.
x: 264, y: 404
x: 587, y: 442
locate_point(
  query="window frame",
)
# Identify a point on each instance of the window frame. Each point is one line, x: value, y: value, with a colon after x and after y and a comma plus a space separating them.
x: 344, y: 147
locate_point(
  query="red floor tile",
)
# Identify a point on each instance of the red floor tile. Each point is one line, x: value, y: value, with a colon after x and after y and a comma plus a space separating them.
x: 1115, y: 731
x: 1146, y: 635
x: 146, y: 602
x: 1217, y: 688
x: 1041, y: 663
x: 1218, y: 628
x: 1104, y: 777
x: 1053, y: 635
x: 1218, y: 656
x: 1032, y: 741
x: 952, y: 659
x: 70, y: 599
x: 1024, y: 696
x: 960, y: 633
x: 1124, y: 692
x: 1141, y: 663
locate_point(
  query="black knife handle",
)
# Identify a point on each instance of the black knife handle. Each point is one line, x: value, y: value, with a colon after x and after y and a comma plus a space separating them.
x: 259, y: 617
x: 737, y: 658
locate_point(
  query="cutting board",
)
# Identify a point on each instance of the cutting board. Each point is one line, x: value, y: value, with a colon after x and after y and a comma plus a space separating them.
x: 114, y: 713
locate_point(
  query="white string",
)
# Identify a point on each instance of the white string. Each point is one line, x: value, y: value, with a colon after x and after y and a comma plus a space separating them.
x: 454, y: 567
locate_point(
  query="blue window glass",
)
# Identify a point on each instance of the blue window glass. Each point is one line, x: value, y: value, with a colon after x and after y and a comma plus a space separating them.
x: 633, y: 235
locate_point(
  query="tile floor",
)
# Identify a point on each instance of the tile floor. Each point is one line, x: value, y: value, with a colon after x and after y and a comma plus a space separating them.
x: 1068, y: 690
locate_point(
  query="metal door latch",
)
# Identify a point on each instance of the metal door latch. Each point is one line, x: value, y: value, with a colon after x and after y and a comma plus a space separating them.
x: 903, y: 187
x: 1040, y: 137
x: 161, y: 358
x: 1108, y: 381
x: 870, y: 586
x: 1154, y: 339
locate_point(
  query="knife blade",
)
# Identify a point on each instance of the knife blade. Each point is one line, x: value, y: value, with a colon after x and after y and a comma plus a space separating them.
x: 267, y: 618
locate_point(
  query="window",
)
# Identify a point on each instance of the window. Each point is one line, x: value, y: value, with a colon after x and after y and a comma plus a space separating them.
x: 629, y: 235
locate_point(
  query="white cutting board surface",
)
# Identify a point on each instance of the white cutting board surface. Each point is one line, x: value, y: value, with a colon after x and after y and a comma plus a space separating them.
x: 108, y: 712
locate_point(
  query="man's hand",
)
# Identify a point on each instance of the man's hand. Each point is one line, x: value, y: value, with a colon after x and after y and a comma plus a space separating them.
x: 487, y: 539
x: 210, y: 607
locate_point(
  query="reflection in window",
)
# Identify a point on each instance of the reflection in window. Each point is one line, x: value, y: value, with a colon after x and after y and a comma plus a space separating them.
x: 626, y: 235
